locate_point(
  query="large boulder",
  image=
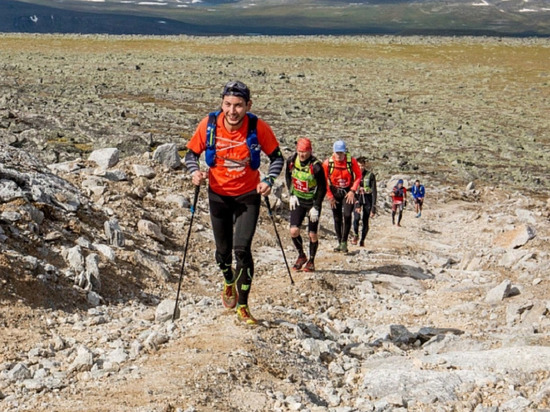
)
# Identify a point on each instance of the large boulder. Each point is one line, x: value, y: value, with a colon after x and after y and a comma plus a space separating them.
x: 167, y: 155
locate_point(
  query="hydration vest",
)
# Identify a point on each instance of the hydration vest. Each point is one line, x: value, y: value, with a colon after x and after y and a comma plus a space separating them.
x: 417, y: 191
x: 366, y: 183
x: 304, y: 184
x: 399, y: 192
x: 251, y: 140
x: 348, y: 166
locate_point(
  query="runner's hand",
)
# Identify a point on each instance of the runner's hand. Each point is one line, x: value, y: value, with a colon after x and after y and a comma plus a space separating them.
x: 350, y: 197
x: 332, y: 202
x: 263, y: 188
x: 313, y: 215
x: 198, y: 177
x: 293, y: 202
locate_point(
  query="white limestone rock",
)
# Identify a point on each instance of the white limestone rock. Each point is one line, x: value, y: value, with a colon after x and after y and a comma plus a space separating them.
x: 114, y: 233
x: 105, y: 158
x: 158, y: 268
x: 144, y: 171
x: 75, y: 259
x: 20, y: 371
x: 148, y: 228
x: 500, y: 292
x: 165, y: 310
x: 516, y: 238
x: 83, y: 361
x: 105, y: 251
x: 167, y: 154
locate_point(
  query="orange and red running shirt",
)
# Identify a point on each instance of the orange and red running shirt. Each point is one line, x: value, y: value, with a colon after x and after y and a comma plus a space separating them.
x: 341, y: 177
x: 232, y: 175
x: 399, y: 195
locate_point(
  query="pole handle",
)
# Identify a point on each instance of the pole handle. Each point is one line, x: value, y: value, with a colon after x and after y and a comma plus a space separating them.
x: 196, y: 197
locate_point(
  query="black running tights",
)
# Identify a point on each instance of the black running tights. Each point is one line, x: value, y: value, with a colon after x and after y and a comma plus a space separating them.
x: 364, y: 216
x: 342, y: 218
x: 234, y: 220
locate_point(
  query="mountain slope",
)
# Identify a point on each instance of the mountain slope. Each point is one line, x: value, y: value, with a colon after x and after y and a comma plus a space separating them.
x: 476, y: 17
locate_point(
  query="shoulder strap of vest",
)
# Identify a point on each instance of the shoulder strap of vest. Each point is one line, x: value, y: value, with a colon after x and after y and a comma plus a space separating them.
x: 252, y: 122
x: 252, y: 141
x: 210, y: 153
x: 349, y: 165
x: 295, y: 161
x: 367, y: 179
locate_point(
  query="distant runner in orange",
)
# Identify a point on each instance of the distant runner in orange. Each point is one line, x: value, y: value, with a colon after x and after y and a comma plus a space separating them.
x: 343, y: 178
x: 399, y: 201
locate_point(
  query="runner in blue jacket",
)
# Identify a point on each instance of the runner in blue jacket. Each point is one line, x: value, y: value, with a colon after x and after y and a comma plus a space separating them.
x: 418, y: 191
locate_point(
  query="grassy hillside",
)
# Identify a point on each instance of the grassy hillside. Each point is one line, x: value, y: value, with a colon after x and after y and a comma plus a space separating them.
x: 455, y: 110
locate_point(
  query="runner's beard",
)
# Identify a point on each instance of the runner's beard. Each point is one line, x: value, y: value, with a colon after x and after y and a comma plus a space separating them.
x: 233, y: 122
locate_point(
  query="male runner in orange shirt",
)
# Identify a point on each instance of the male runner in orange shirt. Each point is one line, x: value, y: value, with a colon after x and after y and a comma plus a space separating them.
x: 232, y: 140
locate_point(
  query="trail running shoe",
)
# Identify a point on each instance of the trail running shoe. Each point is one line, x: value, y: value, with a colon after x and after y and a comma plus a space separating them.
x: 338, y: 248
x: 310, y: 266
x: 229, y: 295
x: 244, y: 315
x: 354, y: 239
x: 344, y: 247
x: 300, y: 262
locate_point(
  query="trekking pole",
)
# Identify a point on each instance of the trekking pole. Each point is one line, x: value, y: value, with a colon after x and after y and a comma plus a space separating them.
x: 270, y: 213
x: 193, y: 206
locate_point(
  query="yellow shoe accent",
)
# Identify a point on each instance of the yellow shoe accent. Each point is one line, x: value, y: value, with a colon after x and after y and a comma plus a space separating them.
x: 244, y: 315
x: 229, y: 295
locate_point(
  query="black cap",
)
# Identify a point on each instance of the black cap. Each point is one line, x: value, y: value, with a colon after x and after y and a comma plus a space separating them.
x: 236, y: 88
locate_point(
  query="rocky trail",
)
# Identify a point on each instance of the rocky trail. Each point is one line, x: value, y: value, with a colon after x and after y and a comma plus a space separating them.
x: 441, y: 313
x: 450, y: 312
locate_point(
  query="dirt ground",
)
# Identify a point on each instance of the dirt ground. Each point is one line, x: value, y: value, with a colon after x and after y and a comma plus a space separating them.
x: 223, y: 365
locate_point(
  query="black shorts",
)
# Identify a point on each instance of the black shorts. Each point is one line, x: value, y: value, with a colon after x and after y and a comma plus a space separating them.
x: 298, y: 215
x: 419, y: 200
